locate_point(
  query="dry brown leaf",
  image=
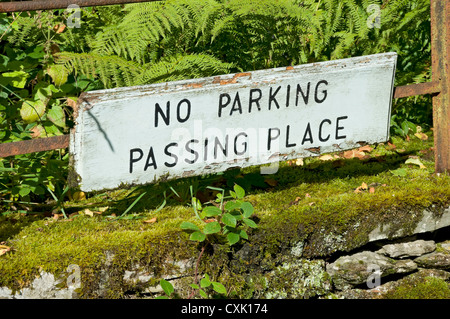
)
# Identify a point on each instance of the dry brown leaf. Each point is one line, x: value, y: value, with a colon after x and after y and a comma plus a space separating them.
x: 299, y: 162
x: 307, y: 195
x: 326, y: 157
x: 88, y: 212
x: 271, y: 182
x: 372, y: 190
x: 4, y: 249
x: 365, y: 148
x: 150, y: 221
x: 361, y: 188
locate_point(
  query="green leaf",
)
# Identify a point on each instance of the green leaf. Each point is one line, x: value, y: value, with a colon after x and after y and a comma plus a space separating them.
x: 219, y: 288
x: 58, y: 73
x: 231, y: 205
x: 250, y: 223
x: 167, y: 287
x: 211, y: 211
x: 31, y: 111
x: 233, y: 238
x: 240, y: 193
x: 202, y: 293
x: 17, y: 79
x: 243, y: 234
x: 212, y: 228
x: 189, y: 226
x: 204, y: 282
x: 229, y: 220
x: 247, y: 208
x: 197, y: 236
x: 57, y: 116
x: 399, y: 172
x: 195, y: 286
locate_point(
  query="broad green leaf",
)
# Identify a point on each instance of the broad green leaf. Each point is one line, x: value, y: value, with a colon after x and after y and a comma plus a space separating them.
x: 229, y: 220
x: 58, y: 73
x: 399, y: 172
x: 212, y: 228
x: 233, y: 238
x: 197, y: 236
x: 250, y: 223
x: 189, y: 226
x: 57, y: 116
x: 231, y: 205
x: 204, y: 282
x: 167, y: 287
x: 247, y: 209
x: 219, y: 288
x: 31, y: 111
x: 415, y: 161
x: 211, y: 211
x: 17, y: 79
x: 195, y: 286
x: 243, y: 234
x: 240, y: 193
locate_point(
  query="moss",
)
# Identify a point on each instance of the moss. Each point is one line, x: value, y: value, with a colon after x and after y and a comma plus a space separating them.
x: 423, y: 288
x: 314, y: 204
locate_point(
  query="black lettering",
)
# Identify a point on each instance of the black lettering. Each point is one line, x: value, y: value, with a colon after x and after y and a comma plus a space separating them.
x: 188, y: 113
x: 165, y: 117
x: 271, y: 138
x: 224, y: 148
x: 320, y: 131
x: 272, y: 97
x: 288, y: 92
x: 338, y: 128
x: 223, y: 104
x: 166, y: 151
x: 308, y: 132
x: 236, y: 102
x: 151, y: 157
x: 323, y: 91
x: 305, y: 97
x: 133, y: 159
x: 288, y: 128
x: 244, y: 144
x: 254, y: 100
x: 192, y: 152
x: 205, y: 153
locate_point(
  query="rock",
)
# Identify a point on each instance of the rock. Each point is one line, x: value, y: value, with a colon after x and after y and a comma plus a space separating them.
x: 409, y: 249
x: 438, y: 260
x: 360, y: 268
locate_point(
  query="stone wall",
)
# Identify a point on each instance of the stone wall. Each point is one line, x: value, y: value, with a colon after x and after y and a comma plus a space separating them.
x: 391, y: 263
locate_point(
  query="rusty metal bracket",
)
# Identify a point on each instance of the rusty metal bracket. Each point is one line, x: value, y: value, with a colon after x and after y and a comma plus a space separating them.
x: 17, y: 6
x: 417, y: 89
x: 34, y: 145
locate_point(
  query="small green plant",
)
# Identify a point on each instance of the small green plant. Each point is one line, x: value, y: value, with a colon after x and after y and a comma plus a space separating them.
x: 227, y: 219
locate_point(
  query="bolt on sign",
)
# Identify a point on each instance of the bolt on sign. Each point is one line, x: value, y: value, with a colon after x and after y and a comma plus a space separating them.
x: 145, y: 134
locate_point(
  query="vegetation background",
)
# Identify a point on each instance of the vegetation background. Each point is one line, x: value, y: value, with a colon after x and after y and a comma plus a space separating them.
x: 45, y: 64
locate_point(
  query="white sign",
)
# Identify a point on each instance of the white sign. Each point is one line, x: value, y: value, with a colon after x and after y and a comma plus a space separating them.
x: 145, y: 134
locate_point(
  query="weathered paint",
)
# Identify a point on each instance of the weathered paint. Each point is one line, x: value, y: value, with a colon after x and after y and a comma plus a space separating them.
x: 123, y: 135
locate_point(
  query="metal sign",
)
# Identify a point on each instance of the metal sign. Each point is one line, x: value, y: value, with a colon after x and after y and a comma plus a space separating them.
x: 144, y: 134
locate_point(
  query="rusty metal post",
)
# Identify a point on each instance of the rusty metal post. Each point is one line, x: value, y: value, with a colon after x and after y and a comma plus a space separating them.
x: 440, y: 55
x: 18, y: 6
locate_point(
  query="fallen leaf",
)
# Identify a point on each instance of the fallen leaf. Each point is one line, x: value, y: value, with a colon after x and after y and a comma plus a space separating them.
x: 391, y: 146
x: 88, y: 212
x: 421, y: 136
x: 79, y: 196
x: 326, y: 157
x: 271, y: 182
x: 312, y: 203
x: 365, y: 148
x: 299, y: 162
x: 372, y: 190
x: 307, y: 195
x: 59, y: 28
x: 210, y: 220
x: 399, y: 172
x: 415, y: 161
x: 361, y: 188
x: 4, y: 249
x: 150, y: 221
